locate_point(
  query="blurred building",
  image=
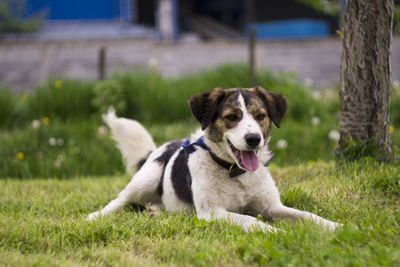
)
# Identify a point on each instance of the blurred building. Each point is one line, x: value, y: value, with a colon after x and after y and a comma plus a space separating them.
x: 75, y: 31
x: 173, y: 19
x: 273, y: 19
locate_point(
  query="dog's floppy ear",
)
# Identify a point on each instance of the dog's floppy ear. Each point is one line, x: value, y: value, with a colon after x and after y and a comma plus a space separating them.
x: 204, y: 105
x: 276, y: 104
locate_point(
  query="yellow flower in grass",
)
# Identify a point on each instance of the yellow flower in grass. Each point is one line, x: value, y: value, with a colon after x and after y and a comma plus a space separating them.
x: 58, y: 84
x: 46, y: 120
x: 20, y: 156
x: 391, y: 129
x: 390, y: 232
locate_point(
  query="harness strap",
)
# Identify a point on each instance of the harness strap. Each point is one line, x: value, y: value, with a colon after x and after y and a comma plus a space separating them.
x: 189, y: 147
x: 233, y: 169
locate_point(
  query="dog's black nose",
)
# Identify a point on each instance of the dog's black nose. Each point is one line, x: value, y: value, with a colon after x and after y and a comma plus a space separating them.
x: 252, y: 139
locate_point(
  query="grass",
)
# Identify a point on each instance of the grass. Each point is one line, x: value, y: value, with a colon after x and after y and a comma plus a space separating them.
x: 43, y: 223
x: 149, y: 97
x: 58, y: 149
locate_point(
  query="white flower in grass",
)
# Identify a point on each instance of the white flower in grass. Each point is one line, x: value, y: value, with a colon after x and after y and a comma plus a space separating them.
x: 153, y: 63
x: 52, y: 141
x: 281, y: 144
x: 60, y: 141
x: 59, y: 161
x: 396, y: 87
x: 316, y: 94
x: 35, y: 124
x: 396, y: 84
x: 315, y: 121
x: 308, y: 82
x: 334, y: 135
x: 102, y: 130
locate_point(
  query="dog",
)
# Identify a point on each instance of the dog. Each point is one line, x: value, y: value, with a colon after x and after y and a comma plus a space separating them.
x: 221, y: 172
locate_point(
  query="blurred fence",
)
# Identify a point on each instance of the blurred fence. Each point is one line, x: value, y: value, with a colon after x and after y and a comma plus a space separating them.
x: 25, y: 64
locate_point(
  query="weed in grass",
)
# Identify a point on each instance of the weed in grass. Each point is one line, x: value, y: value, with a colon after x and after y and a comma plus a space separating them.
x: 64, y: 99
x: 58, y: 149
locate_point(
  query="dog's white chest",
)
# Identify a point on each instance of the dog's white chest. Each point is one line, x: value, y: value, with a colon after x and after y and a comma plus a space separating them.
x: 212, y: 186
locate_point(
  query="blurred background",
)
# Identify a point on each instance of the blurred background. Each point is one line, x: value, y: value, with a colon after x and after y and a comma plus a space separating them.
x: 45, y: 38
x: 62, y: 63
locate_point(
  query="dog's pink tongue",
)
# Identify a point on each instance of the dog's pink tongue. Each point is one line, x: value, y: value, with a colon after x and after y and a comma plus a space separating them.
x: 249, y: 160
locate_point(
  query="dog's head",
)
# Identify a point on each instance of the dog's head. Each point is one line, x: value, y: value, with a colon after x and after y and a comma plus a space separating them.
x: 239, y: 120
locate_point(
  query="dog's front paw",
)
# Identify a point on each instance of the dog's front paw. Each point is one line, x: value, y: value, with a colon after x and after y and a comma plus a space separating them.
x: 93, y: 216
x: 154, y: 208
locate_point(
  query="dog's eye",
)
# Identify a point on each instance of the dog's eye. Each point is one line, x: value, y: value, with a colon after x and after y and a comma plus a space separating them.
x: 260, y: 117
x: 232, y: 117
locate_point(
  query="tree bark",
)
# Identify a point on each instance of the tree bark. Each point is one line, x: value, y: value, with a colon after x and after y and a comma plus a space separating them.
x: 365, y: 74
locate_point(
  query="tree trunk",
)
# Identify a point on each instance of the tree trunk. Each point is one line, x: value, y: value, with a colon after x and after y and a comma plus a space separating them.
x: 365, y: 75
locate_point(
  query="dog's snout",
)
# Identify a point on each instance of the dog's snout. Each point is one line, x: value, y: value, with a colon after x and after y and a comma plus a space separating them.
x: 252, y: 139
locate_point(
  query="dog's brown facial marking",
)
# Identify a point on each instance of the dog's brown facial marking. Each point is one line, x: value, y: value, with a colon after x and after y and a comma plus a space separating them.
x: 276, y: 104
x: 260, y: 114
x: 227, y: 116
x: 204, y: 106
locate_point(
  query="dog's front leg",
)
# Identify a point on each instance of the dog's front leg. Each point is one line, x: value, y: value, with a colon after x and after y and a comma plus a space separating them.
x: 248, y: 223
x: 284, y: 212
x: 141, y: 189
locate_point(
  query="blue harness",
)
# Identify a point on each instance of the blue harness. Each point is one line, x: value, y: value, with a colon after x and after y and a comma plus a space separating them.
x: 189, y: 148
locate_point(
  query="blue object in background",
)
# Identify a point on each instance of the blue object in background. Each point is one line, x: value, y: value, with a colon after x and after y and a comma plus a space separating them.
x: 296, y: 28
x: 76, y: 9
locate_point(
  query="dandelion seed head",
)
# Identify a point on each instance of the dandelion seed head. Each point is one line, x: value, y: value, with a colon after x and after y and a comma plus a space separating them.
x: 281, y: 144
x: 334, y: 135
x: 59, y: 161
x: 35, y: 124
x: 316, y: 94
x: 60, y: 141
x: 52, y: 141
x: 315, y: 120
x: 396, y: 83
x: 153, y: 63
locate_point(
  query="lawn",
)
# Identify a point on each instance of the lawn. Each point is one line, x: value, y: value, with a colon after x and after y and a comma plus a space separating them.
x: 58, y: 164
x: 43, y: 223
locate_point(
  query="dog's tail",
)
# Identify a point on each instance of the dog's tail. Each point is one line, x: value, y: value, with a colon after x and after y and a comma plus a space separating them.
x: 133, y: 140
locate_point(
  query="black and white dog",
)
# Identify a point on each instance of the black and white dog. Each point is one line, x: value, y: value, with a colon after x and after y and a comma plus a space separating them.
x: 220, y: 172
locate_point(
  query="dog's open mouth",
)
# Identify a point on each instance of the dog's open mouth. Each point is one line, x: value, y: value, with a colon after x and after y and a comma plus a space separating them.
x: 247, y: 159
